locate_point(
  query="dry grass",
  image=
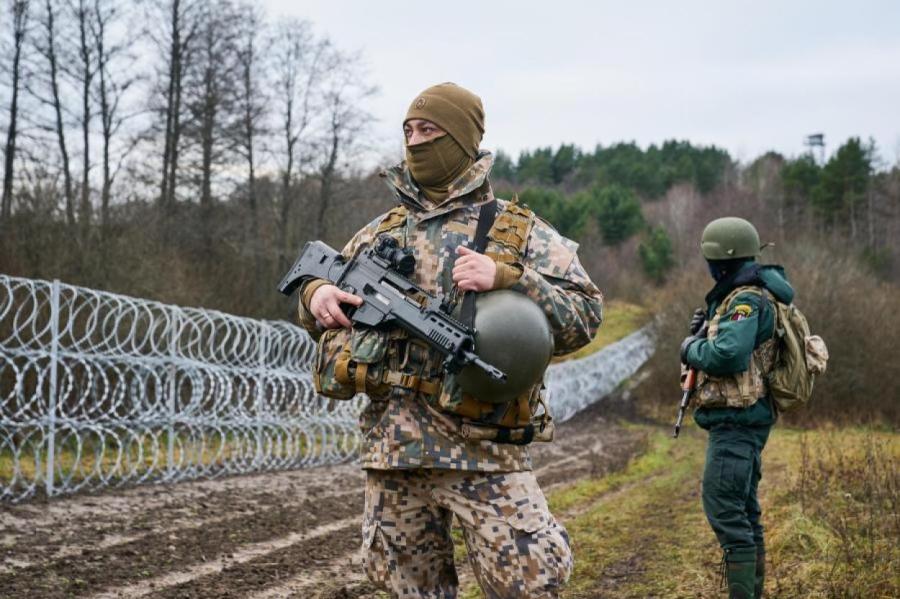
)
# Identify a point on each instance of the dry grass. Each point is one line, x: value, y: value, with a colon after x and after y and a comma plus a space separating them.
x: 830, y: 506
x: 620, y: 319
x: 841, y: 504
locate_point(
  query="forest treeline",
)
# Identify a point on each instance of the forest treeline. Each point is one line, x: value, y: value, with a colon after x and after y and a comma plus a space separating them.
x: 851, y: 196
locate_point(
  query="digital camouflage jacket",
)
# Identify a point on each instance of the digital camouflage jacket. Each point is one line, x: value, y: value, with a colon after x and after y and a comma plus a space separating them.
x: 404, y: 430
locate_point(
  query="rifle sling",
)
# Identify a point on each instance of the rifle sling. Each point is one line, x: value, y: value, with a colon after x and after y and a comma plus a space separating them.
x: 486, y: 217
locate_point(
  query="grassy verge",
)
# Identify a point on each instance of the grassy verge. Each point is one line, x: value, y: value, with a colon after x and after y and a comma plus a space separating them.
x: 830, y: 505
x: 620, y: 319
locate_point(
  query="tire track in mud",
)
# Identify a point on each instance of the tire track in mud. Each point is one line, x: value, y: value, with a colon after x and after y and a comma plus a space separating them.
x: 339, y: 578
x: 156, y: 553
x: 110, y: 540
x: 269, y: 568
x: 210, y: 577
x: 36, y: 533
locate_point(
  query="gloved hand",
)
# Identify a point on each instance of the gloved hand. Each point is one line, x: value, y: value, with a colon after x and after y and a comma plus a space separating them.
x: 697, y: 320
x: 685, y: 345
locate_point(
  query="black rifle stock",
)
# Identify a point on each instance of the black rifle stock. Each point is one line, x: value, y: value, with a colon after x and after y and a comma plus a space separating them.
x: 389, y: 298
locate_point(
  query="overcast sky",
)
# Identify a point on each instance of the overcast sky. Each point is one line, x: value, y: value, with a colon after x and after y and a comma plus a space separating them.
x: 745, y: 76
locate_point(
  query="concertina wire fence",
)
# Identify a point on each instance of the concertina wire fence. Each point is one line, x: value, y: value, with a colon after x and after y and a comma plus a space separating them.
x: 103, y: 390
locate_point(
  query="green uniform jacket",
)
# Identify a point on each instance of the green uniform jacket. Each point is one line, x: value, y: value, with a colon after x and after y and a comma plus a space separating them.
x: 741, y: 330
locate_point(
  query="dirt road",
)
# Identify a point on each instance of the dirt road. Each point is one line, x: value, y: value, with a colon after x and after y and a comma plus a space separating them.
x: 277, y: 534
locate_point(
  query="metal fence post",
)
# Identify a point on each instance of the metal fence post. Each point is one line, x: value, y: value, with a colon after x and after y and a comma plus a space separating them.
x: 173, y: 391
x: 261, y: 389
x: 52, y: 400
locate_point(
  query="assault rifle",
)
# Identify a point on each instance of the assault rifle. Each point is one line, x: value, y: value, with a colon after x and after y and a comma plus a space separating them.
x: 687, y: 386
x: 378, y: 274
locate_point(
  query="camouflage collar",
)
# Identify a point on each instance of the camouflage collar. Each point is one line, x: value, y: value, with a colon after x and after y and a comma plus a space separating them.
x: 475, y: 179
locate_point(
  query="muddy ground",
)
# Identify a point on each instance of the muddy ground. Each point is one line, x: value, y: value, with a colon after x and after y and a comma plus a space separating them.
x: 280, y: 534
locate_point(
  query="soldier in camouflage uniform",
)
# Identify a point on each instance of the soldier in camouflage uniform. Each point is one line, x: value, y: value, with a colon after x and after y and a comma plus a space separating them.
x: 733, y: 353
x: 421, y: 469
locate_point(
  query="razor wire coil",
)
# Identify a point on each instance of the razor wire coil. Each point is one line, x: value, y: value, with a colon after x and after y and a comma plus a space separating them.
x: 103, y: 390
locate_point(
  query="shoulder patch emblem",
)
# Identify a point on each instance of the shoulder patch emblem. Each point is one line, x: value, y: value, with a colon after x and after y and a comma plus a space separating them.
x: 742, y: 311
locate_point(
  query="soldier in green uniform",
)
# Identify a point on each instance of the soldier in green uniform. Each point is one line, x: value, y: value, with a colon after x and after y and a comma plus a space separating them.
x: 432, y: 450
x: 732, y: 347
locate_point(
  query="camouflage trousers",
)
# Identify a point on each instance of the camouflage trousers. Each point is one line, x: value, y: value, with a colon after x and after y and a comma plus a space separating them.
x: 516, y: 547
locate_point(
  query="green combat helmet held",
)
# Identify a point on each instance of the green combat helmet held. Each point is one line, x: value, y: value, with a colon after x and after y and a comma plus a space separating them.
x: 729, y: 237
x: 513, y: 334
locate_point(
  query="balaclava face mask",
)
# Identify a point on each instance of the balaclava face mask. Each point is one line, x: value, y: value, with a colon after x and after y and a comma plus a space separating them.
x: 437, y: 163
x: 720, y: 269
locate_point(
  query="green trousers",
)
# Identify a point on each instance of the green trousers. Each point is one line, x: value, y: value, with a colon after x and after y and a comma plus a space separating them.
x: 730, y: 480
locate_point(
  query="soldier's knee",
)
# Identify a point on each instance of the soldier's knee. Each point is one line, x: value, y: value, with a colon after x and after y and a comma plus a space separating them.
x: 557, y: 554
x: 545, y: 560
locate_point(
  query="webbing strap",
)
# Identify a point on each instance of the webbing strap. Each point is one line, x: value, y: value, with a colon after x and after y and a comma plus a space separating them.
x: 486, y: 217
x: 726, y: 303
x: 362, y: 369
x: 411, y: 381
x: 520, y: 436
x: 342, y: 368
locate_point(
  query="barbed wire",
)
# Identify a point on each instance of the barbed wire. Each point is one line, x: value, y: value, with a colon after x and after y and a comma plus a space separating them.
x: 576, y: 384
x: 103, y: 390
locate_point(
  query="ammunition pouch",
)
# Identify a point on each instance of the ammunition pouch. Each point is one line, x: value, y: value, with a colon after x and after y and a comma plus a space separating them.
x: 371, y: 361
x: 350, y: 361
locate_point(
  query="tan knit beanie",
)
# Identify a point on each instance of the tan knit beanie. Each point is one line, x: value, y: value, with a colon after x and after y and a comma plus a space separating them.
x: 454, y: 109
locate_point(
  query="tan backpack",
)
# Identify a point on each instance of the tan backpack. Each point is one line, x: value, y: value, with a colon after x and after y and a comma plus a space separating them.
x: 800, y: 357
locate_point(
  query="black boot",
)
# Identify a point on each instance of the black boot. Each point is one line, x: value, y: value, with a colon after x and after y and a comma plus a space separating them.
x: 740, y: 571
x: 760, y: 572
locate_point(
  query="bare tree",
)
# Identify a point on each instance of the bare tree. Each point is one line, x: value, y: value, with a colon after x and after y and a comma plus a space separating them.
x: 251, y: 100
x: 115, y: 76
x: 82, y: 70
x: 175, y: 41
x: 298, y: 70
x: 210, y: 91
x: 20, y: 28
x: 344, y: 124
x: 49, y: 51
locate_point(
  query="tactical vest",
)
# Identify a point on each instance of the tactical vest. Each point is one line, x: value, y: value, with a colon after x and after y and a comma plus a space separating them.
x: 742, y: 389
x: 407, y: 366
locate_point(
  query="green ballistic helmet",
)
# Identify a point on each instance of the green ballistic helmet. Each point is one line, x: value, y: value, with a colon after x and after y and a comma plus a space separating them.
x: 511, y: 333
x: 729, y: 237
